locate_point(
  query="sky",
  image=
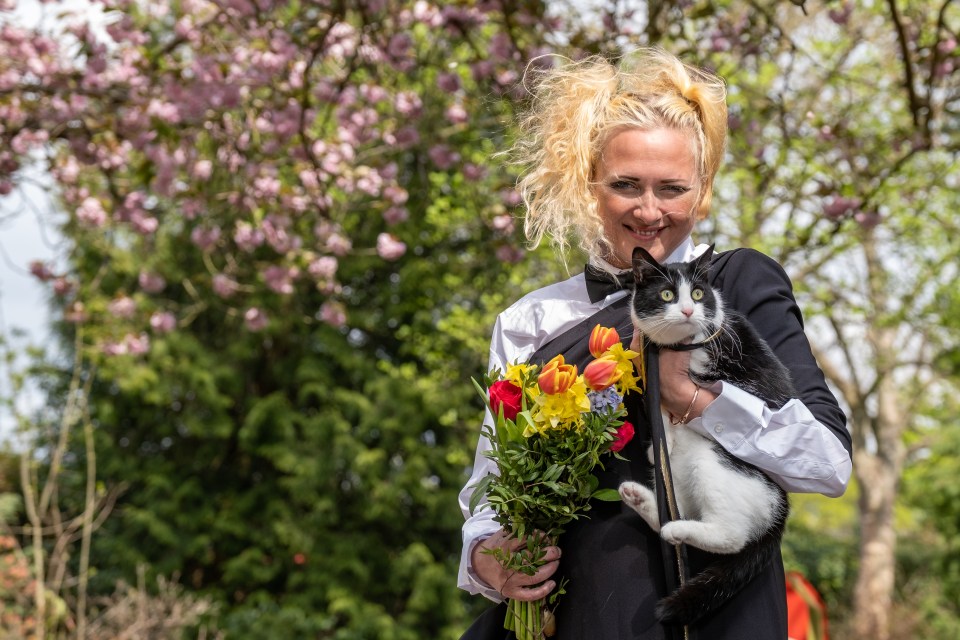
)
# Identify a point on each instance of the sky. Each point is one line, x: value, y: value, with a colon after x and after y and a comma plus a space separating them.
x: 24, y: 238
x: 26, y: 234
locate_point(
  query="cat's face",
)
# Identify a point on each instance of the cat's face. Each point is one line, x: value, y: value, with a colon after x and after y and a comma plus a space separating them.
x: 674, y: 302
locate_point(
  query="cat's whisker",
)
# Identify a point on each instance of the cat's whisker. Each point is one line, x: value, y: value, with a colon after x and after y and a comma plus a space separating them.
x: 622, y: 328
x: 736, y: 342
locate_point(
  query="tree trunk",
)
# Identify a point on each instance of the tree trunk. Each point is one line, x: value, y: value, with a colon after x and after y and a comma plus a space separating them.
x: 878, y: 465
x: 873, y: 595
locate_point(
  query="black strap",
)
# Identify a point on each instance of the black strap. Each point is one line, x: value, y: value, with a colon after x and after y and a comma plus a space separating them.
x: 675, y: 566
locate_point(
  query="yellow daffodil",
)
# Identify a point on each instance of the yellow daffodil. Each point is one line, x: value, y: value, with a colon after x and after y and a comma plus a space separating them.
x: 624, y: 355
x: 624, y: 358
x: 561, y: 410
x: 517, y: 373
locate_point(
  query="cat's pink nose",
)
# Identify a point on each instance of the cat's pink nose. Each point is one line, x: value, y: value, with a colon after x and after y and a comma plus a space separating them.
x: 687, y: 312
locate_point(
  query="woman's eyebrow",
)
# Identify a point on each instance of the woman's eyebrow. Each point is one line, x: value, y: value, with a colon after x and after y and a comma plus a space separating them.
x: 626, y: 176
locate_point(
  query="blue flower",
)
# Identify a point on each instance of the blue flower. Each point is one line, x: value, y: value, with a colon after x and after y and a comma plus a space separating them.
x: 601, y: 401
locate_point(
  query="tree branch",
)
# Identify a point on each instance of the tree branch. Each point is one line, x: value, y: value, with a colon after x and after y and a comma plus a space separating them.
x: 916, y: 104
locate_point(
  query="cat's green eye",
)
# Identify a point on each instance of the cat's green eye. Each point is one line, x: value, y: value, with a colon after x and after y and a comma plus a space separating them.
x: 666, y: 295
x: 697, y: 294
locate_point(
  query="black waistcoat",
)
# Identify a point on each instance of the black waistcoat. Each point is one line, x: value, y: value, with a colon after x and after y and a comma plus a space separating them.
x: 612, y: 559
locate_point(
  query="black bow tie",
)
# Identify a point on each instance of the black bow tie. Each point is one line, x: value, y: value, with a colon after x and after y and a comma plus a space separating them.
x: 600, y: 283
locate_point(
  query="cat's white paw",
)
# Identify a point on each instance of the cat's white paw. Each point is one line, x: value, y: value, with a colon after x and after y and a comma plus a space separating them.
x: 703, y: 535
x: 642, y: 500
x: 635, y: 494
x: 676, y: 532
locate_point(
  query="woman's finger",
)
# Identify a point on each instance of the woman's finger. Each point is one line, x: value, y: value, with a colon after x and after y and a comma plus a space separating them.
x: 514, y: 584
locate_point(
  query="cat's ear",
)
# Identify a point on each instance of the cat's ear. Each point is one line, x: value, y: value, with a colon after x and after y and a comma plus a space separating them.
x: 643, y: 264
x: 703, y: 261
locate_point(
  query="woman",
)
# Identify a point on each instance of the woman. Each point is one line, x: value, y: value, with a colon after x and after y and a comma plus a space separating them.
x: 625, y: 157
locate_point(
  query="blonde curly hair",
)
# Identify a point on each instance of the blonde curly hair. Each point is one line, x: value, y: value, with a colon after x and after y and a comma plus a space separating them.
x: 575, y: 109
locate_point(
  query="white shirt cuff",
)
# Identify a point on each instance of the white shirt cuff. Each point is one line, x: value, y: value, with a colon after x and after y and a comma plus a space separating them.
x: 789, y: 444
x: 474, y: 533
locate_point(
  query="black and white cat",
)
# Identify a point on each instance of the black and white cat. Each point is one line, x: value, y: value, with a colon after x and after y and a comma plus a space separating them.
x: 727, y: 506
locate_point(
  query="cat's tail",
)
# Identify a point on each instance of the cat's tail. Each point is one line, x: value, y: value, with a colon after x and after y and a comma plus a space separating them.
x: 718, y: 582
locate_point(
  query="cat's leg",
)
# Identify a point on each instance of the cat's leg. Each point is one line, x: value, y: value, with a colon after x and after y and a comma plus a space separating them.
x: 714, y: 537
x: 643, y: 501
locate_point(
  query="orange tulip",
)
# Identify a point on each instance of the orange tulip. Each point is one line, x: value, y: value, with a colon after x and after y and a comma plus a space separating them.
x: 557, y: 376
x: 601, y: 339
x: 601, y: 373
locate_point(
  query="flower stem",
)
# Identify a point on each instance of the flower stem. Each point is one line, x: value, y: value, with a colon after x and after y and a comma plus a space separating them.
x: 525, y: 619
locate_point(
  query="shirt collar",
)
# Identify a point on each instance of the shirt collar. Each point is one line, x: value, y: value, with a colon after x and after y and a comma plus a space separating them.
x: 686, y: 252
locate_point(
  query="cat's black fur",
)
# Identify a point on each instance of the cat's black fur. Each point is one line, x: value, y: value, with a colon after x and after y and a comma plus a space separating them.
x: 728, y: 506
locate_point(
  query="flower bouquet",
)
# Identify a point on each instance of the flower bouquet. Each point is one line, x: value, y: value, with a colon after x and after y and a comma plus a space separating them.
x: 552, y: 427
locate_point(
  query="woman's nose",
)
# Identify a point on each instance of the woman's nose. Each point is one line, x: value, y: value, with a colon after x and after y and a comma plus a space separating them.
x: 647, y: 209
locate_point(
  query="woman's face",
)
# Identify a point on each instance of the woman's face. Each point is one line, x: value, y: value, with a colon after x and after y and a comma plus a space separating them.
x: 647, y: 192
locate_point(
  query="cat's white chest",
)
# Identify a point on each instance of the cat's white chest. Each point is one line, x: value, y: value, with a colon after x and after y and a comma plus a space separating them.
x: 691, y: 458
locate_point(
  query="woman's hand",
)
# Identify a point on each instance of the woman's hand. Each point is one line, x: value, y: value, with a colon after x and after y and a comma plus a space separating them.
x: 677, y: 390
x: 513, y: 584
x: 678, y: 393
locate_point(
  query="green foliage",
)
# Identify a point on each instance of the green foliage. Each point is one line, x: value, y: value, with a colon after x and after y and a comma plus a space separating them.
x: 931, y: 490
x: 301, y: 489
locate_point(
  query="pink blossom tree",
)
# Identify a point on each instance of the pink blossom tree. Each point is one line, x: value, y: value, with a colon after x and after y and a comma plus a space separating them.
x: 251, y: 134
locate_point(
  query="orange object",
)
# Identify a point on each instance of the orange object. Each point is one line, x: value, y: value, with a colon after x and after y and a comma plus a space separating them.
x: 557, y: 376
x: 806, y: 611
x: 601, y: 373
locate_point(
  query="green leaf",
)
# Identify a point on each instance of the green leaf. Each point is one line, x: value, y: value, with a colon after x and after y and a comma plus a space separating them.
x: 607, y: 495
x: 524, y: 420
x: 480, y: 491
x: 481, y: 391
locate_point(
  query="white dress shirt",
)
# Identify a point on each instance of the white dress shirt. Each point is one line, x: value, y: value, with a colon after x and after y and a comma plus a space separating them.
x: 807, y: 460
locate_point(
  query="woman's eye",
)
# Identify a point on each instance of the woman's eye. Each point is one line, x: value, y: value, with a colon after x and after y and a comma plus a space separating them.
x: 666, y: 295
x: 675, y: 189
x: 697, y: 294
x: 621, y: 185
